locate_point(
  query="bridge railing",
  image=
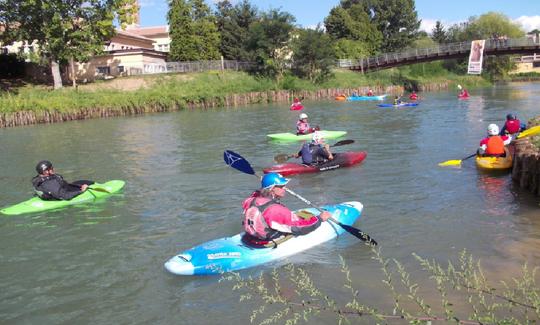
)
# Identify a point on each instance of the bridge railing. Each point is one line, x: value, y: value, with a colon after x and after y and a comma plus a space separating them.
x: 441, y: 49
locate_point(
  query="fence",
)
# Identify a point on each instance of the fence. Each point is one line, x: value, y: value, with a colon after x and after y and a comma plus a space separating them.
x: 192, y: 66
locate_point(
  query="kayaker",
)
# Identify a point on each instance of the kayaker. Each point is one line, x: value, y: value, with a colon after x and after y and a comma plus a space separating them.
x: 370, y: 92
x: 51, y: 186
x: 413, y: 95
x: 397, y: 100
x: 302, y: 125
x: 315, y: 151
x: 463, y: 93
x: 512, y: 125
x: 493, y: 145
x: 266, y: 218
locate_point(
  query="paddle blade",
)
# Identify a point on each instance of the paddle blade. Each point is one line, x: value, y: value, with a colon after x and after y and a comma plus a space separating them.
x: 455, y: 162
x: 237, y: 162
x: 529, y: 132
x: 359, y: 234
x: 342, y: 143
x: 281, y: 158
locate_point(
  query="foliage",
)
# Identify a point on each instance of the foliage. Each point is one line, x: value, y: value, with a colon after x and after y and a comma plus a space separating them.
x: 269, y: 41
x: 349, y: 49
x: 193, y: 31
x: 353, y: 24
x: 465, y: 295
x: 397, y: 20
x: 64, y: 29
x: 438, y: 34
x: 233, y: 25
x: 312, y: 57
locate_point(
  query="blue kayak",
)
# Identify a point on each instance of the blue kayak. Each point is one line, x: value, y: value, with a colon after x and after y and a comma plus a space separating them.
x: 231, y: 253
x: 399, y: 105
x: 357, y: 98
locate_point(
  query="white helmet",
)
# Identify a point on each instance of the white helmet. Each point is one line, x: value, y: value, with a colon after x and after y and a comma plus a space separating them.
x: 303, y: 116
x: 493, y: 129
x: 317, y: 137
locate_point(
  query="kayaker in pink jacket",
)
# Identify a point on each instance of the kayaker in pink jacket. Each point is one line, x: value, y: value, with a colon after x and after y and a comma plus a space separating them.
x: 302, y: 125
x: 265, y: 218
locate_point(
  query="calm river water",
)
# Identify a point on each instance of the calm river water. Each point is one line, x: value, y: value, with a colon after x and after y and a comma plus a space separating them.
x: 102, y: 263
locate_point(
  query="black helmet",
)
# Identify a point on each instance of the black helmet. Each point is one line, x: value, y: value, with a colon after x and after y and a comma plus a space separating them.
x: 43, y: 165
x: 511, y: 117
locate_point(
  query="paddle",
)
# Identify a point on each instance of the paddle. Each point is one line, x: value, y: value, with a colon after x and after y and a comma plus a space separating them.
x: 241, y: 164
x: 529, y: 132
x: 455, y: 161
x: 283, y: 157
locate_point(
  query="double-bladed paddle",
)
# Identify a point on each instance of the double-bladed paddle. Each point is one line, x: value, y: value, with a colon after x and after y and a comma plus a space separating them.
x: 283, y: 157
x: 529, y: 132
x: 240, y: 163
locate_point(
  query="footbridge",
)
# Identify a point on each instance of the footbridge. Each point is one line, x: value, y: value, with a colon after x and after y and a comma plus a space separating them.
x: 441, y: 52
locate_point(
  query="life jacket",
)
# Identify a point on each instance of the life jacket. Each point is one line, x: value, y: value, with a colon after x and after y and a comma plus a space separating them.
x: 512, y: 126
x: 495, y: 145
x: 307, y: 153
x: 254, y: 223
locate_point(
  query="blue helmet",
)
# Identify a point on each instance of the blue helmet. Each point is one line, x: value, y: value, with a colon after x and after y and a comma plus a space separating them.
x: 272, y: 179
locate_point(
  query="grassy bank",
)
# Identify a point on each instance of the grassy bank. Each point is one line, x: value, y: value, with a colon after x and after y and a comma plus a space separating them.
x: 181, y: 89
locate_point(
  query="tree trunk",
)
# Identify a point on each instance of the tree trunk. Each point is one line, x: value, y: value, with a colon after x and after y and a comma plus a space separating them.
x: 55, y: 70
x: 73, y: 75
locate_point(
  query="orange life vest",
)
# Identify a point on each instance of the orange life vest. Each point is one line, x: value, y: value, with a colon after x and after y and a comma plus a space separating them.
x: 495, y: 146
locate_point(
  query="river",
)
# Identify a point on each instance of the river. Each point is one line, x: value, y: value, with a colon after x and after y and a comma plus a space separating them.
x: 102, y: 263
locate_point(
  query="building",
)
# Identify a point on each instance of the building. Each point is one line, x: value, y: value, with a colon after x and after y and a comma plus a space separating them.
x: 529, y: 63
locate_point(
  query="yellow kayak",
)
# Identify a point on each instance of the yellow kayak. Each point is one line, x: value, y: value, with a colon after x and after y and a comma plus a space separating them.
x: 495, y: 163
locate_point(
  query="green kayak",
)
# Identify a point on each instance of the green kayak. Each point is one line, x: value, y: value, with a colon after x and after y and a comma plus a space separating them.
x: 294, y: 137
x: 36, y: 204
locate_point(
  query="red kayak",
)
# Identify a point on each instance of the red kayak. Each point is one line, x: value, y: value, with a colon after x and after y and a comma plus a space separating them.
x: 296, y: 107
x: 342, y: 159
x: 463, y: 96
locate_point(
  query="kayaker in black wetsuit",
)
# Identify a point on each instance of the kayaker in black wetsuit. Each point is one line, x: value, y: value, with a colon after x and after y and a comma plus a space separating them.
x: 51, y: 186
x: 315, y: 152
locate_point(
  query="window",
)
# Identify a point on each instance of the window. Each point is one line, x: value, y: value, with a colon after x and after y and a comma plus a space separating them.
x: 103, y: 70
x: 120, y: 69
x: 4, y: 50
x: 536, y: 64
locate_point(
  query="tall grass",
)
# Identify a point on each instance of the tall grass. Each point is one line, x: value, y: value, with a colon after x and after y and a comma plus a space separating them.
x: 179, y: 89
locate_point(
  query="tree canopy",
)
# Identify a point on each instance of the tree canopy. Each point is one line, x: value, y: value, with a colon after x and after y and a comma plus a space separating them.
x: 233, y: 25
x: 193, y: 31
x: 64, y: 29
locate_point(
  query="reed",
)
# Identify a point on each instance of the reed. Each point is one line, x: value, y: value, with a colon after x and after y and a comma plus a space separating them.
x: 169, y: 92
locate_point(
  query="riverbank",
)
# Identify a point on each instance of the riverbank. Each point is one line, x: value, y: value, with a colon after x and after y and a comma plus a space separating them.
x: 170, y: 92
x: 526, y: 169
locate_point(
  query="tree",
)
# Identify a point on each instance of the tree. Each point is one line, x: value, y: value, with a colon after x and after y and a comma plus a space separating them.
x: 353, y: 24
x: 64, y: 29
x: 313, y: 58
x: 193, y: 31
x: 438, y: 34
x: 397, y: 20
x: 269, y: 42
x: 233, y: 25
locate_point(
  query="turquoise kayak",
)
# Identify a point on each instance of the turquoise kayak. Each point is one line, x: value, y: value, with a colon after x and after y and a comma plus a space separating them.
x: 36, y: 204
x: 231, y: 253
x: 294, y: 137
x: 361, y: 98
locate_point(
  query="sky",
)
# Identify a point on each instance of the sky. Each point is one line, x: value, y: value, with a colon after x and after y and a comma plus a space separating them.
x: 309, y: 13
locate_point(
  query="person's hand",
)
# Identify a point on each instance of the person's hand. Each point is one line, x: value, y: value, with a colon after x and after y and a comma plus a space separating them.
x: 325, y: 215
x: 317, y: 128
x: 84, y: 187
x: 330, y: 157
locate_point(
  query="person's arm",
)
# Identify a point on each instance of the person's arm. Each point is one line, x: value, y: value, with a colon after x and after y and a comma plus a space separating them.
x: 59, y: 189
x: 330, y: 156
x: 506, y: 139
x: 282, y: 219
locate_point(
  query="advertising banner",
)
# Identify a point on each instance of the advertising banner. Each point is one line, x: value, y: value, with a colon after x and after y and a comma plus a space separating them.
x: 476, y: 57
